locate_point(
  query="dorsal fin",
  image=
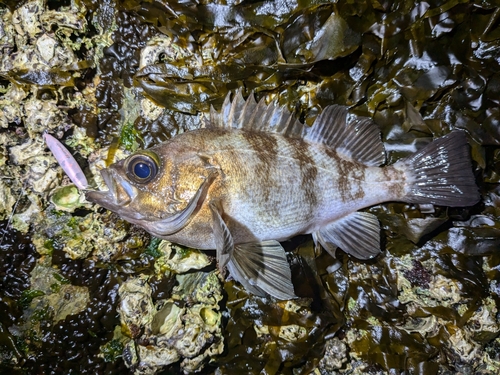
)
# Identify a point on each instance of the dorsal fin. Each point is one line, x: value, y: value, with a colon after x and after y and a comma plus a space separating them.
x: 354, y: 138
x: 250, y: 115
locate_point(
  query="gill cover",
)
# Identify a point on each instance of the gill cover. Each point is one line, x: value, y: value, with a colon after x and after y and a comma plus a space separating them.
x: 174, y: 223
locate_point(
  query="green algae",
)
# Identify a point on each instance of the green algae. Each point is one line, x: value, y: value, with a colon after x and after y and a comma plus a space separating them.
x: 28, y: 295
x: 152, y: 248
x: 112, y: 350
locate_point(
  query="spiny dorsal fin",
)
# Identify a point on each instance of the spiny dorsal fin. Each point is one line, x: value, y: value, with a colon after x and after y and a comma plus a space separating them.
x: 355, y: 138
x: 250, y: 115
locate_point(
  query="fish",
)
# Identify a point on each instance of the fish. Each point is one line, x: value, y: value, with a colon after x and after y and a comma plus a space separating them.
x: 254, y: 176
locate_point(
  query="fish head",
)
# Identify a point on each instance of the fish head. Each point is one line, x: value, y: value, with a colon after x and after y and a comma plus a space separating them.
x: 151, y: 190
x: 134, y: 187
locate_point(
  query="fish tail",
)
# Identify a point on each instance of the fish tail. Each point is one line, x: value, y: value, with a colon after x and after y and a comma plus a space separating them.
x: 441, y: 173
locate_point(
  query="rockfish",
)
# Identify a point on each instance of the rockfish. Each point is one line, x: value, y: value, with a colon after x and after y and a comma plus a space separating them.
x: 254, y: 176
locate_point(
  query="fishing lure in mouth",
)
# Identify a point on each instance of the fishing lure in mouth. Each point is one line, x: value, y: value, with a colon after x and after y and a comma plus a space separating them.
x: 66, y: 161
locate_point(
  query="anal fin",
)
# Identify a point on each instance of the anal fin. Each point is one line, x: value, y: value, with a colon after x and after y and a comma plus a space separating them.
x: 358, y: 234
x: 262, y: 267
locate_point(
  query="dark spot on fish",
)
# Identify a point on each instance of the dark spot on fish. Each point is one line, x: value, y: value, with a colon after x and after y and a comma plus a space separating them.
x: 266, y: 151
x: 308, y: 170
x: 351, y: 177
x: 356, y: 174
x: 393, y: 175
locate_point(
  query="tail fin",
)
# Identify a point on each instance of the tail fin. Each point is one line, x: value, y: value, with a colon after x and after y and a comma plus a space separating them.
x: 441, y: 173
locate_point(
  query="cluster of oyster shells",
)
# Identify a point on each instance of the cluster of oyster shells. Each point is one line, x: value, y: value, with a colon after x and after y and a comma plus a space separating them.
x: 33, y: 56
x: 185, y: 327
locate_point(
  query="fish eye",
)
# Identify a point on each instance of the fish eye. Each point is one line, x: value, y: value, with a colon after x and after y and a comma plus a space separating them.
x: 142, y: 168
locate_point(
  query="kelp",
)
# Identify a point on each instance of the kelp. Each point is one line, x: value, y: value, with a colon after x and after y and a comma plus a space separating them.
x: 257, y: 53
x: 427, y: 305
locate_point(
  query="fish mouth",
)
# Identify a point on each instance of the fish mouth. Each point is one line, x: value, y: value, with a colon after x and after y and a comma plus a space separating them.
x: 120, y: 192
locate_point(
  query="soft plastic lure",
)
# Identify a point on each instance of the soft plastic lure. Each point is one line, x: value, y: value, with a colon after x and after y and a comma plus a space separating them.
x: 66, y: 161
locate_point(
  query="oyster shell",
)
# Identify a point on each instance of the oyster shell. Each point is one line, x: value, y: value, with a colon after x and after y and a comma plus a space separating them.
x: 172, y: 330
x: 7, y: 201
x: 136, y: 307
x: 67, y: 198
x: 179, y: 259
x: 56, y: 298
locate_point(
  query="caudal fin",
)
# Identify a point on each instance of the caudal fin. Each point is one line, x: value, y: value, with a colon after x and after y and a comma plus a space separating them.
x: 441, y: 173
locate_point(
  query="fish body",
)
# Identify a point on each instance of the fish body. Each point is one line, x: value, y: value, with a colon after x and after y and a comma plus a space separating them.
x: 255, y: 176
x: 270, y: 187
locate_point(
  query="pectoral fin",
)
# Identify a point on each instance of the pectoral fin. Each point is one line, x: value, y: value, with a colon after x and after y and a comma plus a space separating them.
x: 223, y: 239
x: 262, y: 268
x: 358, y: 234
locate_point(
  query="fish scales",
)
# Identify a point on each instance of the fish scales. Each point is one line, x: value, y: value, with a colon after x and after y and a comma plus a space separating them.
x: 277, y: 186
x: 259, y: 185
x: 254, y: 176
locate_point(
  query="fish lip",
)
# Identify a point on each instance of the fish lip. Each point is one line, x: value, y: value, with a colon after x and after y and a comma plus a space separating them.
x: 96, y: 196
x: 106, y: 198
x: 110, y: 182
x: 120, y: 191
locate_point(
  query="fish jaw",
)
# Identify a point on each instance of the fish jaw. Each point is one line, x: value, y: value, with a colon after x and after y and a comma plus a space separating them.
x: 119, y: 195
